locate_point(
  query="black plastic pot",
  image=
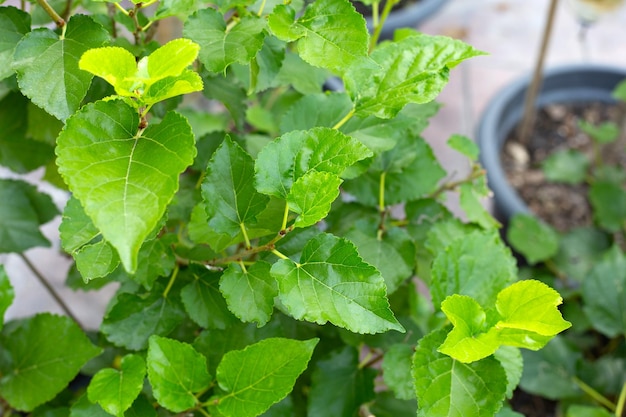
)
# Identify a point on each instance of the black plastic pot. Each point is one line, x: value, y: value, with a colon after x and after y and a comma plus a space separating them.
x: 410, y: 16
x: 568, y: 84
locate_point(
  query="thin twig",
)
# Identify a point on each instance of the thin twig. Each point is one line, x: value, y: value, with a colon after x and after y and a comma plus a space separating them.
x: 52, y: 13
x: 50, y: 290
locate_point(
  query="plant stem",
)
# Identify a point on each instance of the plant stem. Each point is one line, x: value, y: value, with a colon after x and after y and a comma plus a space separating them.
x: 345, y: 119
x: 381, y: 192
x: 594, y: 394
x: 531, y: 95
x: 621, y: 402
x: 379, y: 27
x: 121, y: 9
x: 50, y: 289
x: 171, y: 283
x: 450, y: 186
x: 52, y: 13
x: 68, y: 9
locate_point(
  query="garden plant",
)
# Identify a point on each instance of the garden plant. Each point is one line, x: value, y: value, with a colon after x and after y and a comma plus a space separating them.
x: 280, y: 249
x: 585, y: 367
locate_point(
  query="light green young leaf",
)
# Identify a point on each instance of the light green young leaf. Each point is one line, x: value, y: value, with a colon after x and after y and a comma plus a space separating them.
x: 311, y: 196
x: 250, y: 293
x: 132, y: 319
x: 331, y: 33
x: 176, y: 372
x: 603, y: 133
x: 120, y: 174
x: 47, y: 66
x: 204, y: 302
x: 568, y: 166
x: 462, y: 268
x: 221, y: 47
x: 116, y: 390
x: 397, y: 370
x: 96, y: 260
x: 470, y: 201
x: 42, y: 354
x: 22, y: 211
x: 332, y: 283
x: 446, y: 387
x: 114, y: 64
x: 292, y: 155
x: 232, y: 202
x: 7, y: 294
x: 464, y: 145
x: 260, y: 375
x: 413, y: 70
x: 620, y: 91
x: 339, y: 386
x: 14, y: 24
x: 76, y: 228
x: 533, y: 238
x: 604, y: 293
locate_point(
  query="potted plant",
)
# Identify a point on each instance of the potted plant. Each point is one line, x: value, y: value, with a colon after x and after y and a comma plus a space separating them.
x: 559, y: 190
x: 266, y: 236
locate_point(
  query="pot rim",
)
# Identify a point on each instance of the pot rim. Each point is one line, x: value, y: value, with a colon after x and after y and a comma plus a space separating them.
x: 561, y: 83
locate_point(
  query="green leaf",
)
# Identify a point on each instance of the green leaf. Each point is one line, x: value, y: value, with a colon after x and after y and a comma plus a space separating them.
x: 549, y: 372
x: 311, y: 196
x: 579, y: 250
x: 339, y: 386
x: 291, y: 74
x: 114, y: 64
x: 215, y: 343
x: 332, y: 283
x: 413, y: 70
x: 7, y: 294
x: 331, y: 33
x: 47, y: 66
x: 85, y: 408
x: 463, y: 268
x: 76, y: 228
x: 23, y: 210
x: 292, y: 155
x: 115, y: 390
x: 41, y: 355
x: 567, y: 166
x: 96, y: 260
x: 464, y: 145
x: 316, y: 110
x: 470, y: 201
x: 250, y: 292
x: 397, y: 370
x: 221, y: 47
x: 604, y: 294
x: 232, y: 202
x: 446, y: 387
x: 14, y: 24
x: 587, y: 411
x: 603, y: 133
x: 608, y: 200
x: 203, y: 301
x: 511, y: 360
x: 176, y: 371
x: 620, y: 91
x: 533, y: 238
x: 119, y: 173
x: 132, y: 319
x: 260, y: 375
x: 180, y: 8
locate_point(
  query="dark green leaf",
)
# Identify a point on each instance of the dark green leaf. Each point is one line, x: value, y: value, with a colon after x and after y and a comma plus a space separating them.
x: 7, y: 294
x: 260, y: 375
x: 221, y: 47
x: 608, y: 200
x: 568, y: 166
x: 85, y: 408
x: 339, y: 386
x: 176, y: 371
x: 203, y: 300
x: 121, y: 179
x: 215, y: 343
x: 14, y: 24
x: 332, y: 283
x: 47, y: 66
x: 511, y: 360
x: 41, y: 355
x: 579, y: 250
x: 397, y: 370
x: 533, y: 238
x: 446, y: 387
x: 23, y: 210
x: 115, y: 390
x: 232, y: 201
x: 604, y: 294
x: 132, y: 319
x: 315, y: 110
x: 250, y: 293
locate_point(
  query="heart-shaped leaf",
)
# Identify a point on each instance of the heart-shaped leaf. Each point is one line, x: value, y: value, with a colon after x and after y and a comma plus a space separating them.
x: 124, y: 177
x: 47, y: 66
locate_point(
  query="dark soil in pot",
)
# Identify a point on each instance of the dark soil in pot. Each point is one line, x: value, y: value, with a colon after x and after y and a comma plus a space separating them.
x: 556, y: 128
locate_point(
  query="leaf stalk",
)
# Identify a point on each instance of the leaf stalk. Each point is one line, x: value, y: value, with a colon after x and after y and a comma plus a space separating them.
x: 344, y: 119
x: 601, y: 399
x: 621, y: 402
x: 58, y: 20
x: 171, y: 282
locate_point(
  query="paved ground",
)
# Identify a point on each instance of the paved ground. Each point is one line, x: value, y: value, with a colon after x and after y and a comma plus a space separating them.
x: 509, y: 30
